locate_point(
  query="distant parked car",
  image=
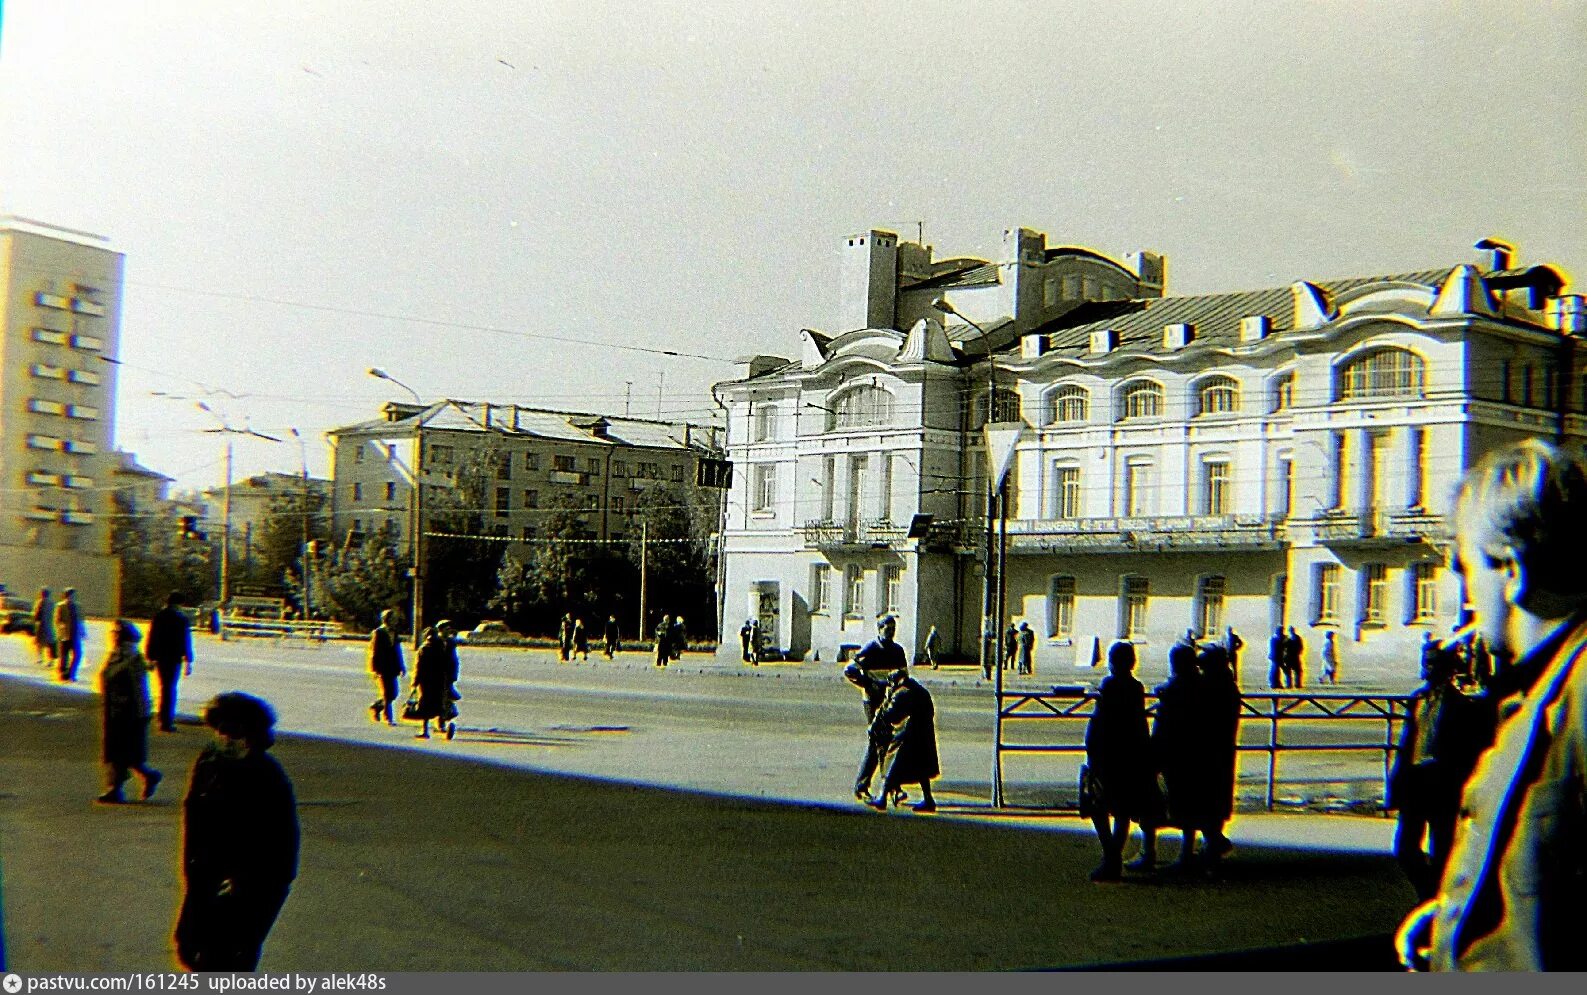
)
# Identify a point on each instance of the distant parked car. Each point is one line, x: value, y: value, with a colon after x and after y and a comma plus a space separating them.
x: 16, y: 615
x: 490, y: 634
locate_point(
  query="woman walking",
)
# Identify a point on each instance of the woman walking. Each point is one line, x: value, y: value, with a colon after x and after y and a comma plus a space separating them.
x: 124, y: 691
x: 433, y: 675
x: 1118, y: 762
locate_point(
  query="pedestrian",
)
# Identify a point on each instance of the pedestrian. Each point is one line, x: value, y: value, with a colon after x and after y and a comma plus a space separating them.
x: 756, y: 648
x: 44, y: 642
x: 1232, y: 645
x: 239, y: 840
x: 1010, y: 646
x: 875, y: 660
x: 169, y: 649
x: 1275, y: 659
x: 678, y: 638
x: 1443, y: 733
x: 1330, y: 658
x: 565, y: 637
x: 581, y: 640
x: 69, y: 630
x: 930, y: 647
x: 434, y: 673
x: 907, y: 729
x: 663, y: 638
x: 1175, y: 740
x: 1119, y: 782
x: 1512, y: 892
x: 744, y: 633
x: 1217, y: 752
x: 124, y: 700
x: 1294, y: 657
x: 1027, y: 649
x: 613, y: 637
x: 385, y: 662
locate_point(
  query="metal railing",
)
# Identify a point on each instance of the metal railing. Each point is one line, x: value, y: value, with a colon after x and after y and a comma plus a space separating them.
x: 1274, y: 709
x: 237, y: 626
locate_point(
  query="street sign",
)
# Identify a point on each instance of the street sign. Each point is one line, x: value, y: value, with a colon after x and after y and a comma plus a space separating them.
x: 1001, y: 438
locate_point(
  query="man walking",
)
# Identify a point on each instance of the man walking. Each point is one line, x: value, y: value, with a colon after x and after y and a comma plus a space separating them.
x: 878, y: 658
x: 169, y: 647
x: 70, y: 630
x: 1330, y: 658
x: 385, y: 662
x: 44, y: 629
x: 1512, y: 895
x: 613, y: 636
x: 930, y: 647
x: 1232, y: 645
x: 565, y: 637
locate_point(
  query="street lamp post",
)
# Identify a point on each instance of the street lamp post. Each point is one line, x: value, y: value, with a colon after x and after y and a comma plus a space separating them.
x: 416, y: 546
x: 303, y: 459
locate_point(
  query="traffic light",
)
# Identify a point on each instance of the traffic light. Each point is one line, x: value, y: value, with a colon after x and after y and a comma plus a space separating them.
x: 716, y: 473
x: 190, y: 528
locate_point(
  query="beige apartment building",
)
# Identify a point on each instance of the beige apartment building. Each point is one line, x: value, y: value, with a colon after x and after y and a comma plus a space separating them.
x: 1282, y: 456
x: 60, y: 324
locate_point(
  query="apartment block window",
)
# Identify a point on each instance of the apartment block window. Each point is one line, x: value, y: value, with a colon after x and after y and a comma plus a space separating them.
x: 531, y: 499
x: 1137, y: 488
x: 1135, y: 593
x: 1416, y: 467
x: 677, y: 474
x: 1071, y: 404
x: 1284, y: 393
x: 504, y: 467
x: 391, y: 490
x: 853, y: 591
x: 861, y: 407
x: 1327, y: 599
x: 1209, y: 605
x: 1375, y: 594
x: 892, y: 587
x: 531, y: 461
x: 592, y: 502
x: 1424, y: 590
x: 440, y: 455
x: 358, y: 452
x: 565, y: 464
x: 503, y: 500
x: 884, y: 489
x: 765, y: 423
x: 1061, y: 608
x: 1341, y: 470
x: 764, y: 495
x: 1066, y: 492
x: 1216, y: 488
x: 1143, y: 399
x: 617, y: 505
x: 820, y: 587
x: 619, y: 468
x: 592, y: 466
x: 358, y: 492
x: 530, y: 532
x: 1218, y: 396
x: 829, y: 486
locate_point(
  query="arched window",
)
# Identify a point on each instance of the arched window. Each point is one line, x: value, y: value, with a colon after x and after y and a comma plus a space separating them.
x: 1142, y: 399
x: 861, y: 407
x: 1283, y: 392
x: 1005, y: 407
x: 1218, y: 396
x: 1386, y: 372
x: 1070, y: 403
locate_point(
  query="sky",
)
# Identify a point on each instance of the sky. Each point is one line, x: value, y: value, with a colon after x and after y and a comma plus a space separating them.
x: 515, y: 201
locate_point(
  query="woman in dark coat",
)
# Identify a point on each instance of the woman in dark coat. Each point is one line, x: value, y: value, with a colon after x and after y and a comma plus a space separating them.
x: 1174, y: 742
x: 1217, y: 756
x: 911, y: 752
x: 433, y: 674
x: 239, y: 840
x: 124, y: 697
x: 1118, y: 761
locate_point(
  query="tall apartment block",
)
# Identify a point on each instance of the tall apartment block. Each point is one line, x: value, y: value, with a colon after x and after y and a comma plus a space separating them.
x: 60, y: 321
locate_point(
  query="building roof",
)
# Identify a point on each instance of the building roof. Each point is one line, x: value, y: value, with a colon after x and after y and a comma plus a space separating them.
x: 976, y: 274
x: 129, y: 465
x: 541, y: 423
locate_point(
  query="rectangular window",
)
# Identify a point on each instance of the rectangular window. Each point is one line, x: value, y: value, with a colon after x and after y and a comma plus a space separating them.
x: 1341, y: 469
x: 441, y: 455
x: 1505, y: 393
x: 592, y: 466
x: 1210, y: 599
x: 829, y: 484
x: 1417, y: 469
x: 820, y: 587
x: 617, y: 505
x: 1215, y: 492
x: 1066, y: 492
x: 677, y: 474
x: 1137, y: 489
x: 1424, y: 578
x: 853, y: 591
x: 503, y: 500
x: 1375, y: 594
x: 592, y: 502
x: 764, y: 497
x: 765, y: 424
x: 530, y: 532
x: 358, y: 492
x: 531, y: 499
x: 892, y: 587
x: 504, y: 468
x: 531, y: 461
x: 1286, y: 487
x: 1136, y: 593
x: 358, y: 453
x: 566, y: 464
x: 1049, y: 291
x: 1061, y: 608
x: 884, y: 491
x: 1526, y: 385
x: 39, y: 406
x: 391, y: 490
x: 1327, y: 601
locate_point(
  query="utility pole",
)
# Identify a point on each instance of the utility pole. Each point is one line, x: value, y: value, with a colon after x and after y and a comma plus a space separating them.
x: 644, y: 553
x: 225, y: 534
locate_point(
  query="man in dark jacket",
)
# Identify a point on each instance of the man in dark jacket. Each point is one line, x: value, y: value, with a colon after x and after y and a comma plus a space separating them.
x: 1294, y: 657
x: 69, y: 631
x: 239, y: 840
x: 1275, y: 659
x: 385, y: 662
x: 613, y: 636
x: 169, y: 647
x: 878, y: 658
x: 907, y: 725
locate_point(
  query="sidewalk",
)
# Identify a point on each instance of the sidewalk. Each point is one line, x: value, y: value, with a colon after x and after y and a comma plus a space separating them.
x: 418, y: 862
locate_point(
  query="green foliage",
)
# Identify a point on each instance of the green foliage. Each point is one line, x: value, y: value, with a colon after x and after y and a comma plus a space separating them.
x: 559, y: 574
x: 156, y: 559
x: 277, y: 545
x: 680, y: 564
x: 355, y: 585
x: 460, y: 574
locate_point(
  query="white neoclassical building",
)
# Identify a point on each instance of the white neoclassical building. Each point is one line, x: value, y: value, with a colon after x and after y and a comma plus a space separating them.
x: 1254, y: 459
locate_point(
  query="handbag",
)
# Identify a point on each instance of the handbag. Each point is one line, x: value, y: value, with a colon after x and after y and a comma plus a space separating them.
x: 1089, y: 793
x: 410, y: 709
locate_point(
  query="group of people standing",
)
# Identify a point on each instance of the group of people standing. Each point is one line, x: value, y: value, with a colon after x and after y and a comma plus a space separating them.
x: 58, y: 633
x: 1286, y: 659
x: 573, y: 639
x: 670, y: 640
x: 1177, y: 773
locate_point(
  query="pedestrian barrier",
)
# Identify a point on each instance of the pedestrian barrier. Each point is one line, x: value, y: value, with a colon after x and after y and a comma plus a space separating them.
x: 1276, y: 710
x: 243, y: 627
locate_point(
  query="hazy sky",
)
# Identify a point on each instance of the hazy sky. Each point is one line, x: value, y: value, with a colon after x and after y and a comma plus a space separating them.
x: 308, y: 188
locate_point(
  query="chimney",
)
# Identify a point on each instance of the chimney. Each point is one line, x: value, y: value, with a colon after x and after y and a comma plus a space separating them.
x: 1104, y: 341
x: 1255, y: 327
x: 1498, y: 254
x: 1313, y: 307
x: 1178, y: 335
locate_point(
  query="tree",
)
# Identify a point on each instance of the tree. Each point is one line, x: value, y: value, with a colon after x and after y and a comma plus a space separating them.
x: 277, y: 545
x: 678, y: 558
x: 461, y: 565
x: 356, y: 584
x: 157, y: 559
x: 563, y: 572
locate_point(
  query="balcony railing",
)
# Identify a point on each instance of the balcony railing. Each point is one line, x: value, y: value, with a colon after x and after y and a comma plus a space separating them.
x: 1402, y: 525
x: 1153, y: 533
x: 824, y: 534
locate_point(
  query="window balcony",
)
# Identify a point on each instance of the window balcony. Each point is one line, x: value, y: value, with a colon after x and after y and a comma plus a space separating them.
x: 56, y: 301
x: 77, y: 446
x: 41, y: 478
x: 77, y: 517
x: 82, y: 305
x: 90, y: 343
x: 1158, y: 533
x: 41, y: 514
x: 50, y: 336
